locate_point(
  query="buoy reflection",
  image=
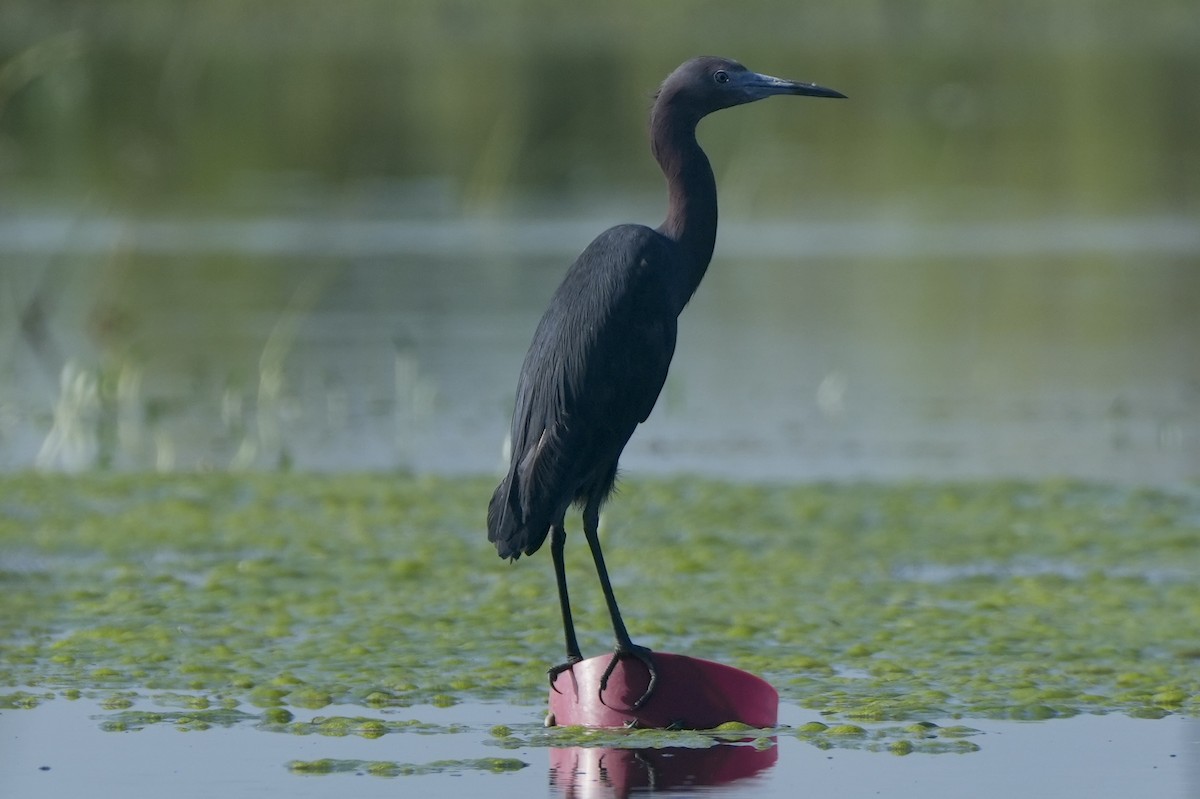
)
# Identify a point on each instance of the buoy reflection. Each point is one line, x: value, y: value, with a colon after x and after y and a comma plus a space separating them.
x: 586, y: 772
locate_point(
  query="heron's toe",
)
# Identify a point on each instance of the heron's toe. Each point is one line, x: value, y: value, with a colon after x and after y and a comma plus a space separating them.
x: 642, y: 654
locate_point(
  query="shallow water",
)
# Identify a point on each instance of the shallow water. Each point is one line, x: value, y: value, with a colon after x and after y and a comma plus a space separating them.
x: 1096, y: 756
x: 873, y: 352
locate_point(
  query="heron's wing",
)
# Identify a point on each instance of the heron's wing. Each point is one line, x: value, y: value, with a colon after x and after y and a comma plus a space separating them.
x: 594, y: 371
x: 599, y: 358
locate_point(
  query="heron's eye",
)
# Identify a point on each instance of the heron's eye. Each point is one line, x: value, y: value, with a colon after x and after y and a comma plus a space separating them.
x: 721, y: 76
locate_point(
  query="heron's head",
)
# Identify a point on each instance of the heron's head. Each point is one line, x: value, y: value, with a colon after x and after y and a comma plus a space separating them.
x: 708, y: 83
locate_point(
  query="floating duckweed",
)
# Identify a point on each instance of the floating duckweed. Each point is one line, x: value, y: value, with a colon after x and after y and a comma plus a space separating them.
x: 500, y: 731
x: 175, y: 699
x: 286, y: 679
x: 869, y: 712
x: 378, y: 699
x: 957, y: 731
x: 384, y: 768
x: 336, y: 725
x: 340, y: 726
x: 887, y: 668
x: 812, y: 727
x: 897, y: 740
x: 621, y: 738
x: 310, y: 698
x: 245, y: 597
x: 1148, y: 712
x: 191, y: 724
x: 322, y: 766
x: 1094, y: 699
x: 1033, y: 713
x: 21, y: 700
x: 957, y: 747
x: 264, y: 696
x: 732, y: 726
x: 499, y: 764
x: 277, y: 715
x: 846, y: 729
x: 1170, y: 697
x: 131, y: 720
x: 372, y: 729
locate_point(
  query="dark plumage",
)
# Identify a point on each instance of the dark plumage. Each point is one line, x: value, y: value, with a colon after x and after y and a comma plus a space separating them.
x: 593, y: 372
x: 600, y: 354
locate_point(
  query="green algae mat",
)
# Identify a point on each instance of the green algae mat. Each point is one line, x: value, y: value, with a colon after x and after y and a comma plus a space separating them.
x: 235, y: 597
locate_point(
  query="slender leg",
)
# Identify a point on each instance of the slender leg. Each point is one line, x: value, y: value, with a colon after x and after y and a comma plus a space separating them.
x: 624, y: 647
x: 558, y: 539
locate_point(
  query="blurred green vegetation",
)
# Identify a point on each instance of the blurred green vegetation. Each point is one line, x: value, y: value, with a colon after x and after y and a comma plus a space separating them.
x: 1002, y: 212
x: 1007, y: 109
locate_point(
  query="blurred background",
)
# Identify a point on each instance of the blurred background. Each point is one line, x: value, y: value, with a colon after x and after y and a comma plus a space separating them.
x: 312, y: 235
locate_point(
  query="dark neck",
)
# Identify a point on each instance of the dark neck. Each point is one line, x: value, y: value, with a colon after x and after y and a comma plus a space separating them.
x: 692, y: 207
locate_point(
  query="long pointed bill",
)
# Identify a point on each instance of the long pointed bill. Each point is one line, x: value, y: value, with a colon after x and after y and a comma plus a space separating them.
x: 766, y: 85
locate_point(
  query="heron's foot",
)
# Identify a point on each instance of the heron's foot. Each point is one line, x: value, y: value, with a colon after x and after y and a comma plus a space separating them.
x: 629, y: 650
x: 554, y: 671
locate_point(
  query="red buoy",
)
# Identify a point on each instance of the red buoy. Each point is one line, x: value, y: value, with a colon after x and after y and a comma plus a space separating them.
x: 691, y: 694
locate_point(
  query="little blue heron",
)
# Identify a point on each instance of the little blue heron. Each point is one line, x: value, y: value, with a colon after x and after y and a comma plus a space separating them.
x: 600, y: 354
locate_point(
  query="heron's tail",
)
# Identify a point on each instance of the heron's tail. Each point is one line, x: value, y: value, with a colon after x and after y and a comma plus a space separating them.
x: 529, y: 498
x: 505, y: 529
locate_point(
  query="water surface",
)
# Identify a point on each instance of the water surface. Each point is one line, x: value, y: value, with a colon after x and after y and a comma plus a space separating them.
x: 60, y: 749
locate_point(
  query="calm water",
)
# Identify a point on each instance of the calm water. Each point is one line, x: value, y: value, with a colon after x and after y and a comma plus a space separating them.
x: 876, y: 351
x: 1096, y: 756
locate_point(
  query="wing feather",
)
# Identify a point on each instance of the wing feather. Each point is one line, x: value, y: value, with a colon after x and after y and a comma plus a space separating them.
x: 594, y: 371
